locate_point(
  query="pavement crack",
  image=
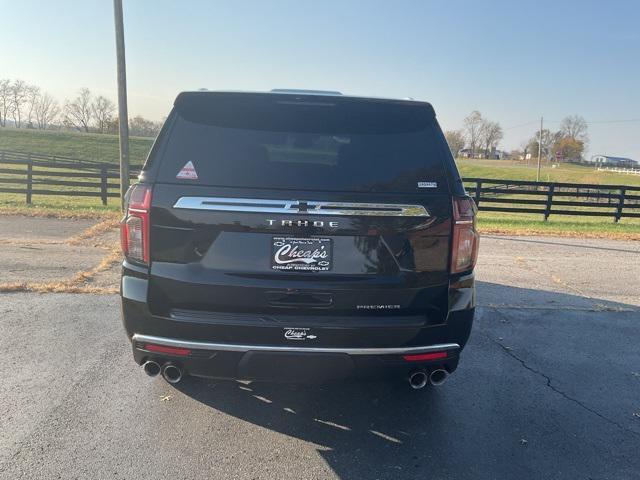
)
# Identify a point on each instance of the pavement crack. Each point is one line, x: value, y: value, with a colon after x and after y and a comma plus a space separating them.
x: 550, y: 385
x: 557, y: 280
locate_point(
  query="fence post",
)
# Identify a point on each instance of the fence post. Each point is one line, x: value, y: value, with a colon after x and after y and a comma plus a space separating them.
x: 618, y: 214
x: 29, y: 179
x: 478, y: 190
x: 547, y: 208
x: 103, y: 184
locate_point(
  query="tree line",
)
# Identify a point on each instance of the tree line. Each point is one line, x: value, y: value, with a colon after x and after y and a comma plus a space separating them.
x: 568, y: 143
x: 480, y: 138
x: 23, y: 105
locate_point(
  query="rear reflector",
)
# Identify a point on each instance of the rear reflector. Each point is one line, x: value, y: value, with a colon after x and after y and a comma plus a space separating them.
x: 182, y: 352
x: 423, y: 357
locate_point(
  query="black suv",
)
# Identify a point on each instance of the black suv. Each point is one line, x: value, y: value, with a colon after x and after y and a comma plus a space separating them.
x: 299, y: 235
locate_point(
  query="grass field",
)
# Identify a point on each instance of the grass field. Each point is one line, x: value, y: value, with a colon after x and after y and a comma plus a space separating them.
x: 526, y: 224
x: 84, y: 146
x: 564, y: 172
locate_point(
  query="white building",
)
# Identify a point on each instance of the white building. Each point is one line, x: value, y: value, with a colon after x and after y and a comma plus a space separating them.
x: 609, y: 161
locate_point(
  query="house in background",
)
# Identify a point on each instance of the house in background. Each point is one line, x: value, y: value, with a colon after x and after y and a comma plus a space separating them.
x: 465, y: 153
x: 609, y: 161
x: 499, y: 155
x: 492, y: 155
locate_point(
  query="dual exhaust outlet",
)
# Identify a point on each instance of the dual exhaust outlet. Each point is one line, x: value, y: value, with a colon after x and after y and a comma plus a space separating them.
x: 420, y: 378
x: 170, y: 372
x: 173, y: 374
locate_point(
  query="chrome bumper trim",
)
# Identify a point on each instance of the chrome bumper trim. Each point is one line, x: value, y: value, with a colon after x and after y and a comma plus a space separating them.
x: 170, y: 342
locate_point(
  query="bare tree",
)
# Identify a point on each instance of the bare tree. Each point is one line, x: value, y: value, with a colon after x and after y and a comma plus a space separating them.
x: 142, y: 127
x: 18, y: 97
x: 32, y: 99
x: 489, y: 136
x: 77, y: 112
x: 455, y: 139
x: 575, y: 128
x: 102, y: 109
x: 5, y: 100
x: 112, y: 126
x: 472, y: 126
x: 549, y: 139
x: 46, y: 110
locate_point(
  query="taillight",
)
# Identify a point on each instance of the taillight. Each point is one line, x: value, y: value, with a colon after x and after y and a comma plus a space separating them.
x: 464, y: 249
x: 134, y: 228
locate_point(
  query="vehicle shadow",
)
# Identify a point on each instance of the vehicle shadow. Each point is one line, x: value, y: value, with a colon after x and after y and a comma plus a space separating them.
x: 477, y: 425
x: 362, y: 429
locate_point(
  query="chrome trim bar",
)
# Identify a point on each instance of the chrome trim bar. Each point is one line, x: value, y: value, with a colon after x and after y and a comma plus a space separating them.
x: 260, y: 205
x: 170, y: 342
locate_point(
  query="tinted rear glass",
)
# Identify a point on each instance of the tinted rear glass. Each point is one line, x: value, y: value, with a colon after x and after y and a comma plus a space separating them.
x: 272, y: 141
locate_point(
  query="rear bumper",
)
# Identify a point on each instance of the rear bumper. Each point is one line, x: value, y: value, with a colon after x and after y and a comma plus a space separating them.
x: 241, y: 347
x: 284, y: 363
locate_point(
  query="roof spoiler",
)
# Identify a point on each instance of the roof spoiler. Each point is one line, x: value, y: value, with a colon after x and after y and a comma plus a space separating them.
x: 305, y: 92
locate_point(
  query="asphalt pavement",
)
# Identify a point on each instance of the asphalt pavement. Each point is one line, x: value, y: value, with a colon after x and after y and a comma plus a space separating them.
x: 548, y: 387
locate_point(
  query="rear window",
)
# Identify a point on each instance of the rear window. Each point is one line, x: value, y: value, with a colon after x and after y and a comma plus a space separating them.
x: 271, y: 141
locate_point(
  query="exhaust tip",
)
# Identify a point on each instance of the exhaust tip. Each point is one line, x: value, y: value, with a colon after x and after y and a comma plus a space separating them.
x: 438, y: 377
x: 171, y: 373
x: 418, y: 380
x: 151, y: 368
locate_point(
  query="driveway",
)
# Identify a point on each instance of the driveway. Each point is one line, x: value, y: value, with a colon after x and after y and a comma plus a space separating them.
x: 548, y: 387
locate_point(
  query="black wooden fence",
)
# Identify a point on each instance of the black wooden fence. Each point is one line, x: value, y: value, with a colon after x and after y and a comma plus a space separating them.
x: 30, y: 174
x: 555, y: 198
x: 34, y: 174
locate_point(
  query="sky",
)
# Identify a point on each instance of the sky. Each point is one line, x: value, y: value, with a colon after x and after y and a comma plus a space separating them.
x: 513, y: 61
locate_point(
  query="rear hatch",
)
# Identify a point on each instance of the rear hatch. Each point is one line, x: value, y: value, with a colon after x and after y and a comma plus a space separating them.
x: 274, y: 209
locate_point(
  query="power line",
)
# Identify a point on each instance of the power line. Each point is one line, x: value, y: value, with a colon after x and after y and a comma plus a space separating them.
x: 591, y: 122
x: 521, y: 125
x: 628, y: 120
x: 588, y: 122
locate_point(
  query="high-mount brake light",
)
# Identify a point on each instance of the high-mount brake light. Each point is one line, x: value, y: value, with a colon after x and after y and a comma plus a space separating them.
x: 464, y: 247
x: 134, y: 228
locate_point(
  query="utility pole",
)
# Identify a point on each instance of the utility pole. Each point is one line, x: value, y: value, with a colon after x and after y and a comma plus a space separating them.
x: 539, y: 150
x: 123, y: 116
